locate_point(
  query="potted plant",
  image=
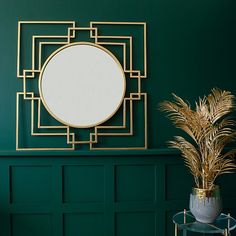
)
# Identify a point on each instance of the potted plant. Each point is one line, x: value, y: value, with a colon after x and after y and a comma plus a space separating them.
x: 209, y: 128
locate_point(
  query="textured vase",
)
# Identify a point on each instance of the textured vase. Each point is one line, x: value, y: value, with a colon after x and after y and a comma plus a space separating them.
x: 205, y: 204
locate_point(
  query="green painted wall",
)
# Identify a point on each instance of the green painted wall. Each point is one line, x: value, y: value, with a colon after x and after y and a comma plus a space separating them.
x: 191, y: 48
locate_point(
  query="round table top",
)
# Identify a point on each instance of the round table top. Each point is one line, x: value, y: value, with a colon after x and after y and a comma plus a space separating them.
x: 186, y: 221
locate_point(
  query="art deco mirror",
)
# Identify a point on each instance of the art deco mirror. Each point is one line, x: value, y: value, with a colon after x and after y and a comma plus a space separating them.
x: 82, y: 86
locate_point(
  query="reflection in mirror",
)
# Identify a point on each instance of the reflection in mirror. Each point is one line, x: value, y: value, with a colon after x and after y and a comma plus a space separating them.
x: 82, y: 85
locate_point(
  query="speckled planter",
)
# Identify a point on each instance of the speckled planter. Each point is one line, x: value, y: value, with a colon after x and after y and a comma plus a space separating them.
x: 205, y: 205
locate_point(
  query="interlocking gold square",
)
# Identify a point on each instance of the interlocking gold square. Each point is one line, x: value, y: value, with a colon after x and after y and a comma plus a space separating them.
x: 26, y: 74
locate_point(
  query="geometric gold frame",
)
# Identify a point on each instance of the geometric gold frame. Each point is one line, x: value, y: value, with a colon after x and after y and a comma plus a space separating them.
x: 29, y: 73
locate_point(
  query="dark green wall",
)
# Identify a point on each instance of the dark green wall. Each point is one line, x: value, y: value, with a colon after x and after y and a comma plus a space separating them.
x: 191, y: 48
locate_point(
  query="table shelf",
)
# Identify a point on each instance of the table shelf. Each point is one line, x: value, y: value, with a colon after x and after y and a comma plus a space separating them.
x: 185, y: 221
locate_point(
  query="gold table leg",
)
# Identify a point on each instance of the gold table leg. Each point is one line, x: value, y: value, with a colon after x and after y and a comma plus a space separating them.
x: 176, y: 230
x: 226, y: 232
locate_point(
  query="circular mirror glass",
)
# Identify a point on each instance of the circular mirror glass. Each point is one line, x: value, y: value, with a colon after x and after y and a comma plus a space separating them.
x: 82, y: 85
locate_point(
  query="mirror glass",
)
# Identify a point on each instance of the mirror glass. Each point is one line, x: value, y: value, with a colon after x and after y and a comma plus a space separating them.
x: 82, y: 85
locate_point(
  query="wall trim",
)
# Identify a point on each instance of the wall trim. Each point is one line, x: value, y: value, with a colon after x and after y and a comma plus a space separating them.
x: 82, y: 153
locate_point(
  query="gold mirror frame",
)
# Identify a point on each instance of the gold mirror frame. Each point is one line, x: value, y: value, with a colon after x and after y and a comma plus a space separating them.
x: 98, y: 103
x: 30, y: 97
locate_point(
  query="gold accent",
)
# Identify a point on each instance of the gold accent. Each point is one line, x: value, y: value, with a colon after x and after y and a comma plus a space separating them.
x: 176, y: 229
x: 65, y: 40
x: 226, y: 232
x: 184, y: 216
x: 228, y: 223
x: 206, y: 193
x: 210, y: 128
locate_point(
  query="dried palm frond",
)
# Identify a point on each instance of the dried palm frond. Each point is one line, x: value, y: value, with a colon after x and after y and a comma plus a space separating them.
x: 210, y: 128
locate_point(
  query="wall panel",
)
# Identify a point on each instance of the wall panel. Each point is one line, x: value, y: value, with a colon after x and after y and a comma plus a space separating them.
x: 31, y: 224
x: 103, y: 195
x: 135, y: 223
x: 30, y: 184
x: 135, y: 183
x: 84, y: 224
x: 83, y: 183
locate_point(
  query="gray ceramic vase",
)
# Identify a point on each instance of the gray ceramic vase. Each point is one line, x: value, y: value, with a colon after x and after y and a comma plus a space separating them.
x: 205, y: 205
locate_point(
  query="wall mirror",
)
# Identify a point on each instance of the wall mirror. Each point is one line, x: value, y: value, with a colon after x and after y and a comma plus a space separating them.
x: 82, y: 84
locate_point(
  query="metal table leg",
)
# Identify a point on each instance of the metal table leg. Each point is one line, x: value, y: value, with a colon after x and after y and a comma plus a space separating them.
x: 226, y: 232
x: 176, y: 230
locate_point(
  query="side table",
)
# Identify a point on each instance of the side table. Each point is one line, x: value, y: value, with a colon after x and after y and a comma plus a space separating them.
x: 185, y: 221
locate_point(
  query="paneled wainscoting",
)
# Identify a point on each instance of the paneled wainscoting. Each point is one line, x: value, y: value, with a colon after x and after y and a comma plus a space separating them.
x: 96, y: 194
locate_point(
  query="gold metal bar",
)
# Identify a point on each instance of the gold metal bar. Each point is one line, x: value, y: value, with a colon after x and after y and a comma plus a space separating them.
x: 131, y: 55
x: 33, y: 54
x: 228, y: 222
x: 68, y: 35
x: 116, y: 23
x: 139, y: 85
x: 113, y: 37
x: 39, y: 107
x: 68, y: 134
x: 46, y: 22
x: 82, y: 28
x: 226, y: 232
x: 124, y: 113
x: 18, y: 49
x: 48, y: 134
x: 131, y: 117
x: 176, y: 229
x: 52, y: 127
x: 90, y: 145
x: 124, y: 57
x: 114, y: 134
x: 119, y: 148
x: 110, y: 43
x: 49, y: 36
x: 45, y: 149
x: 32, y: 117
x: 110, y: 127
x: 17, y: 120
x: 96, y: 35
x: 145, y: 125
x: 40, y: 58
x: 53, y: 43
x: 145, y: 50
x: 184, y: 216
x: 24, y: 84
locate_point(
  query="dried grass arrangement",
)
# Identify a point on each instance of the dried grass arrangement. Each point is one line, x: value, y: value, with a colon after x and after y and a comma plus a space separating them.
x: 211, y: 128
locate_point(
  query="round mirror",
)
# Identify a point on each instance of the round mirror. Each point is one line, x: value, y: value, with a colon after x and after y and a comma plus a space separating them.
x: 82, y: 84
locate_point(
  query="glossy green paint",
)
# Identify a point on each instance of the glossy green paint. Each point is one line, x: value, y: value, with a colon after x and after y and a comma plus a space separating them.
x: 191, y: 48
